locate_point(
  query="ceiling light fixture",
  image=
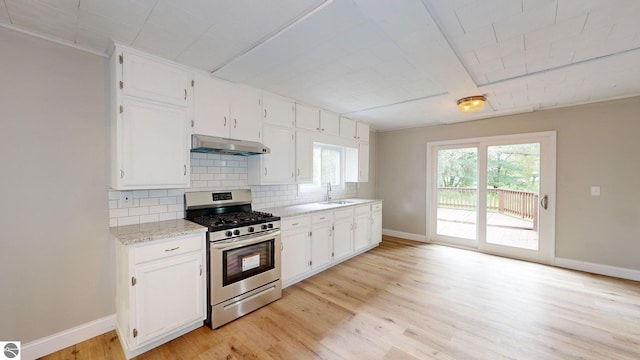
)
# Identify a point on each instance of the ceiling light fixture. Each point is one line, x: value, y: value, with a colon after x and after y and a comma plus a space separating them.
x: 471, y: 104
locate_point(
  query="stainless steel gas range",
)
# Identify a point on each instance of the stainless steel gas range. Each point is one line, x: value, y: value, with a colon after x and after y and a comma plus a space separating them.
x: 243, y: 256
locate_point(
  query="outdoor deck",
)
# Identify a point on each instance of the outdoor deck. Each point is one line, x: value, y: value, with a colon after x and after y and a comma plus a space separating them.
x: 502, y: 229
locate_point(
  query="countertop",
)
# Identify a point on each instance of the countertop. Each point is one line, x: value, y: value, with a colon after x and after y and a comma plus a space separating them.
x: 132, y: 234
x: 302, y: 209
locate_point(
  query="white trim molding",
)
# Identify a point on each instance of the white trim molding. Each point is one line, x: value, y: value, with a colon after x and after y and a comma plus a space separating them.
x: 66, y: 338
x: 600, y: 269
x: 404, y: 235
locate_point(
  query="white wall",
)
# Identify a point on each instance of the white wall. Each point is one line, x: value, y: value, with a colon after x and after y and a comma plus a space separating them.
x: 56, y: 260
x: 597, y: 144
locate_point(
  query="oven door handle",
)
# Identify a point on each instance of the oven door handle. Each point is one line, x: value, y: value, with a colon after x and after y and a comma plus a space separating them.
x: 248, y: 240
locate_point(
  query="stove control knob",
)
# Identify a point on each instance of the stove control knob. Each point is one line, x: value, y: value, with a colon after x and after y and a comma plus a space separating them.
x: 264, y: 226
x: 228, y: 233
x: 270, y: 226
x: 236, y: 232
x: 251, y: 229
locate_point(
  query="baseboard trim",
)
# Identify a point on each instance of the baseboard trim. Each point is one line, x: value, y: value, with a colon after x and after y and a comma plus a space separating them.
x: 66, y: 338
x: 404, y: 235
x: 600, y: 269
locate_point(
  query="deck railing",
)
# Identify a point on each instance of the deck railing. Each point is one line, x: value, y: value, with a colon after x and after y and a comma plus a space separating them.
x: 522, y: 204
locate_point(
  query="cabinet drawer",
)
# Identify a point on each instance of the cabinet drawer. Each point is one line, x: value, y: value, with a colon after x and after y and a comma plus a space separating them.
x: 295, y: 223
x: 376, y: 207
x: 321, y: 217
x: 343, y: 213
x: 362, y: 210
x: 172, y: 247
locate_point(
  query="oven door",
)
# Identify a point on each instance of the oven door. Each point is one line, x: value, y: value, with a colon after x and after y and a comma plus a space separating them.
x: 243, y: 264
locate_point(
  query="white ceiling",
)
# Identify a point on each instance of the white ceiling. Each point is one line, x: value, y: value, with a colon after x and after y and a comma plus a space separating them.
x: 394, y: 64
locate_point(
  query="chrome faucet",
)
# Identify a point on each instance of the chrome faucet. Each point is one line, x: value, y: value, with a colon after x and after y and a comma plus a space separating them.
x: 329, y: 191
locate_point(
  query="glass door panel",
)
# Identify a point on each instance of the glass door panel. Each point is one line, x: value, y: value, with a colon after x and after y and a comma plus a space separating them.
x: 456, y: 193
x: 513, y: 187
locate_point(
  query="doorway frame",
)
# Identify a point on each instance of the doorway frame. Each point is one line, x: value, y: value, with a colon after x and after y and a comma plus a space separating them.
x: 431, y: 194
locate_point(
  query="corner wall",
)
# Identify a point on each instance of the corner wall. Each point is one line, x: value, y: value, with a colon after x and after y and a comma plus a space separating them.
x: 56, y: 260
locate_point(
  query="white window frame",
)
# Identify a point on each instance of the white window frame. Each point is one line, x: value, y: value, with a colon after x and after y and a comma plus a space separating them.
x: 311, y: 188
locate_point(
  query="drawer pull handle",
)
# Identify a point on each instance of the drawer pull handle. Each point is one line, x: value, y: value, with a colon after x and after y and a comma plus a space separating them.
x: 295, y: 224
x: 172, y: 249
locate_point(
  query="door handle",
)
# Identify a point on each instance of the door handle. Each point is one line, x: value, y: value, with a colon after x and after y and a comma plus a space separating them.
x: 544, y: 202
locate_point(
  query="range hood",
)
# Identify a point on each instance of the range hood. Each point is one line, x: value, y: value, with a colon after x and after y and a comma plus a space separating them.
x: 213, y: 144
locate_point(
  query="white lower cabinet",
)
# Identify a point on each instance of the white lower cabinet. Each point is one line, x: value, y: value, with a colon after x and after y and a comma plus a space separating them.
x: 321, y: 236
x: 376, y: 223
x: 361, y: 227
x: 295, y: 247
x: 317, y: 241
x: 160, y: 291
x: 343, y: 233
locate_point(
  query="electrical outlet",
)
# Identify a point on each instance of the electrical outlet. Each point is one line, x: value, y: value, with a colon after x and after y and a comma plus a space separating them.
x: 126, y: 199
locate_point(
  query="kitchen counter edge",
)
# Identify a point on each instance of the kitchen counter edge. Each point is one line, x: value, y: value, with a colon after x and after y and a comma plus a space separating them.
x: 308, y: 208
x: 139, y: 233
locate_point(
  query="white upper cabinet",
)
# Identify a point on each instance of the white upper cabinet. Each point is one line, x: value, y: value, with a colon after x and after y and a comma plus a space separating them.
x: 227, y: 110
x: 362, y: 131
x: 211, y: 106
x: 354, y: 130
x: 304, y: 157
x: 357, y: 163
x: 277, y: 166
x: 278, y: 111
x: 245, y: 112
x: 151, y: 78
x: 149, y: 123
x: 307, y: 117
x: 329, y: 123
x: 312, y: 118
x: 347, y: 128
x: 152, y: 146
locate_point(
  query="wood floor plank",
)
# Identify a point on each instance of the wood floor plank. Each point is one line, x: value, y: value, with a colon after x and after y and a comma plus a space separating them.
x: 410, y: 300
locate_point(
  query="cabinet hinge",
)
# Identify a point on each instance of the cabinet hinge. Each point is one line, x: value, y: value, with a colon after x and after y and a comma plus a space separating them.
x: 121, y: 109
x: 121, y: 84
x: 310, y: 233
x: 135, y: 332
x: 193, y: 83
x: 133, y: 281
x: 310, y: 263
x: 193, y: 123
x: 121, y: 58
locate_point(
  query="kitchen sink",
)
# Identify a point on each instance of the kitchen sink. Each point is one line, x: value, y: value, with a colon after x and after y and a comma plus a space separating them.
x: 336, y: 202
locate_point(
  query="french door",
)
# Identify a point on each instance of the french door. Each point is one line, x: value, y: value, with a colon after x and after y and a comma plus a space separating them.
x: 494, y: 194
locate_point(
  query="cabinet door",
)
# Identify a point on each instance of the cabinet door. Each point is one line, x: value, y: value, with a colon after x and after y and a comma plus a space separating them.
x: 147, y: 78
x: 307, y: 117
x: 320, y: 244
x: 329, y: 123
x: 278, y: 111
x: 362, y: 131
x: 169, y: 294
x: 342, y: 237
x: 304, y: 157
x: 152, y: 146
x: 363, y: 162
x: 347, y: 128
x: 211, y: 106
x: 361, y: 225
x: 245, y: 113
x: 376, y: 227
x: 277, y: 166
x: 295, y: 258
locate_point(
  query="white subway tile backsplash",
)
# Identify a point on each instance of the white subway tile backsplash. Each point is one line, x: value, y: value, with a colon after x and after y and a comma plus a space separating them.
x: 139, y: 211
x: 209, y: 172
x: 149, y: 201
x: 149, y: 218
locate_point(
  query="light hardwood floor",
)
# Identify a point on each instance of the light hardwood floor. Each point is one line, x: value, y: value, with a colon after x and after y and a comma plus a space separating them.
x: 409, y: 300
